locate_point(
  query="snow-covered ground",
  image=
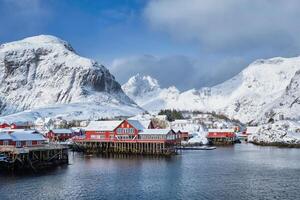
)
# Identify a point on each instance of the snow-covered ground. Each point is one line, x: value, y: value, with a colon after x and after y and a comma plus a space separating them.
x: 283, y: 132
x: 73, y: 111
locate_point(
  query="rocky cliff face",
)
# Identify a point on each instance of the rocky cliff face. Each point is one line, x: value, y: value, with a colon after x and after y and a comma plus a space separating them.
x: 44, y: 71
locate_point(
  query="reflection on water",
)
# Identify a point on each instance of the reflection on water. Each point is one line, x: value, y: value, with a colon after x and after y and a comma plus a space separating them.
x: 239, y: 172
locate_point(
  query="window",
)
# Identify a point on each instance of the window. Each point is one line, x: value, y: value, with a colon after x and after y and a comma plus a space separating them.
x: 5, y: 142
x: 18, y: 144
x: 28, y: 143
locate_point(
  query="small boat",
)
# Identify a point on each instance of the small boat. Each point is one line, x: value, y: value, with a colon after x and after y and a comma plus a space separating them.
x: 3, y: 158
x: 197, y: 148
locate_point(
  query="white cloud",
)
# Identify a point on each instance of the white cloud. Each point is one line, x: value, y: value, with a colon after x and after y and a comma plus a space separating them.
x: 181, y: 71
x: 229, y: 25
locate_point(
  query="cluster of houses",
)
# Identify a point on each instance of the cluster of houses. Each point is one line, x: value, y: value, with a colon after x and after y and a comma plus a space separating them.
x: 128, y: 130
x: 20, y: 134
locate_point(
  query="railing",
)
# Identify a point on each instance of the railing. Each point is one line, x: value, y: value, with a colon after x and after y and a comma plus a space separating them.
x: 127, y: 140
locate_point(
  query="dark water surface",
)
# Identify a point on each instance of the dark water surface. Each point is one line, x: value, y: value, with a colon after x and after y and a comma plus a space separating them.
x: 239, y: 172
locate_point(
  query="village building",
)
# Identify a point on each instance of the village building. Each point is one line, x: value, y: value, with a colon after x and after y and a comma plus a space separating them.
x: 4, y: 125
x: 60, y: 135
x: 20, y: 125
x: 221, y: 136
x: 183, y: 135
x: 127, y: 136
x: 21, y: 139
x: 166, y: 135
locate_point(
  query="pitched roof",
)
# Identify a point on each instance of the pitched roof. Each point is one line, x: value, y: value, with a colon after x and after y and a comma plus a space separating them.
x: 22, y: 136
x: 137, y: 124
x: 25, y: 136
x: 155, y: 131
x: 102, y: 125
x: 62, y: 131
x: 145, y: 123
x: 4, y: 136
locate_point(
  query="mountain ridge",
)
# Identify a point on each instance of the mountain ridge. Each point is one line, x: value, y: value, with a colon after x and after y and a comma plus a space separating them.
x: 44, y: 70
x: 248, y: 96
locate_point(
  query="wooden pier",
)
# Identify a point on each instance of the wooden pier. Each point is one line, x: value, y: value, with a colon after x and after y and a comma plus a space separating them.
x: 37, y: 157
x: 127, y: 147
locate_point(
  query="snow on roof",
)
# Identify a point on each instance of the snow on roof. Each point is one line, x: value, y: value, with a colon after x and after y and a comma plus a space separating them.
x: 20, y: 123
x: 102, y: 125
x: 145, y: 123
x: 9, y: 130
x: 180, y: 121
x: 62, y: 131
x: 21, y: 136
x: 221, y: 130
x: 155, y: 131
x: 180, y: 129
x: 4, y: 136
x: 26, y: 136
x: 137, y: 124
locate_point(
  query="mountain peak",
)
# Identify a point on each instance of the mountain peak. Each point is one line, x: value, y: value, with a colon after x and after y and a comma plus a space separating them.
x: 140, y: 84
x: 38, y: 41
x: 43, y: 71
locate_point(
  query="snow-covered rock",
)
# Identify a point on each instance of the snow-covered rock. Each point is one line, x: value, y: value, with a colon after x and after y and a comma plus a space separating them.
x: 285, y: 132
x: 147, y: 93
x: 249, y: 96
x: 198, y: 138
x: 44, y: 75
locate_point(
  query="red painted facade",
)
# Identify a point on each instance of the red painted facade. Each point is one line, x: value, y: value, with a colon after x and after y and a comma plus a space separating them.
x: 184, y: 136
x: 221, y: 135
x: 122, y: 132
x: 16, y: 126
x: 59, y: 136
x: 4, y: 125
x: 20, y: 144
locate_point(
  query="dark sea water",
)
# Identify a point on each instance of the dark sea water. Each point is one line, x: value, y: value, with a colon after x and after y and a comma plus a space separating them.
x: 239, y: 172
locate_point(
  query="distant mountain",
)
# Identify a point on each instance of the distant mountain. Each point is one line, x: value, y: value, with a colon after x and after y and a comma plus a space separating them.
x: 45, y: 75
x: 265, y: 89
x: 147, y: 93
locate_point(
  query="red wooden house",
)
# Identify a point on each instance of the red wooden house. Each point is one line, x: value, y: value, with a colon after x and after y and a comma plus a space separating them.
x: 21, y: 139
x: 159, y: 135
x: 20, y: 125
x: 127, y: 130
x: 4, y: 125
x: 221, y: 136
x: 113, y: 130
x: 60, y: 135
x: 183, y: 135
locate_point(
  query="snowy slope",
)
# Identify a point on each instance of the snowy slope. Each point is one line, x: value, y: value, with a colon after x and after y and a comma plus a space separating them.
x: 43, y: 71
x: 285, y: 132
x: 247, y: 96
x: 288, y: 104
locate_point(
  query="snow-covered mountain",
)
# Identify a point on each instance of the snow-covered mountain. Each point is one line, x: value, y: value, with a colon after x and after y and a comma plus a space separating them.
x: 148, y: 94
x: 265, y: 88
x: 45, y: 73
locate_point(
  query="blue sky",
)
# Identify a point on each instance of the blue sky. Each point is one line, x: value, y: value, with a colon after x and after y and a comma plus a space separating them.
x: 200, y: 43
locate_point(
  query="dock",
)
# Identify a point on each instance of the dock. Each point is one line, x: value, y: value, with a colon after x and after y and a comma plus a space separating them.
x: 34, y: 158
x: 127, y: 147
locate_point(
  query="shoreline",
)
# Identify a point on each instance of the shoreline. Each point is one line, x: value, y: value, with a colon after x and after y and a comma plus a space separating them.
x: 276, y: 144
